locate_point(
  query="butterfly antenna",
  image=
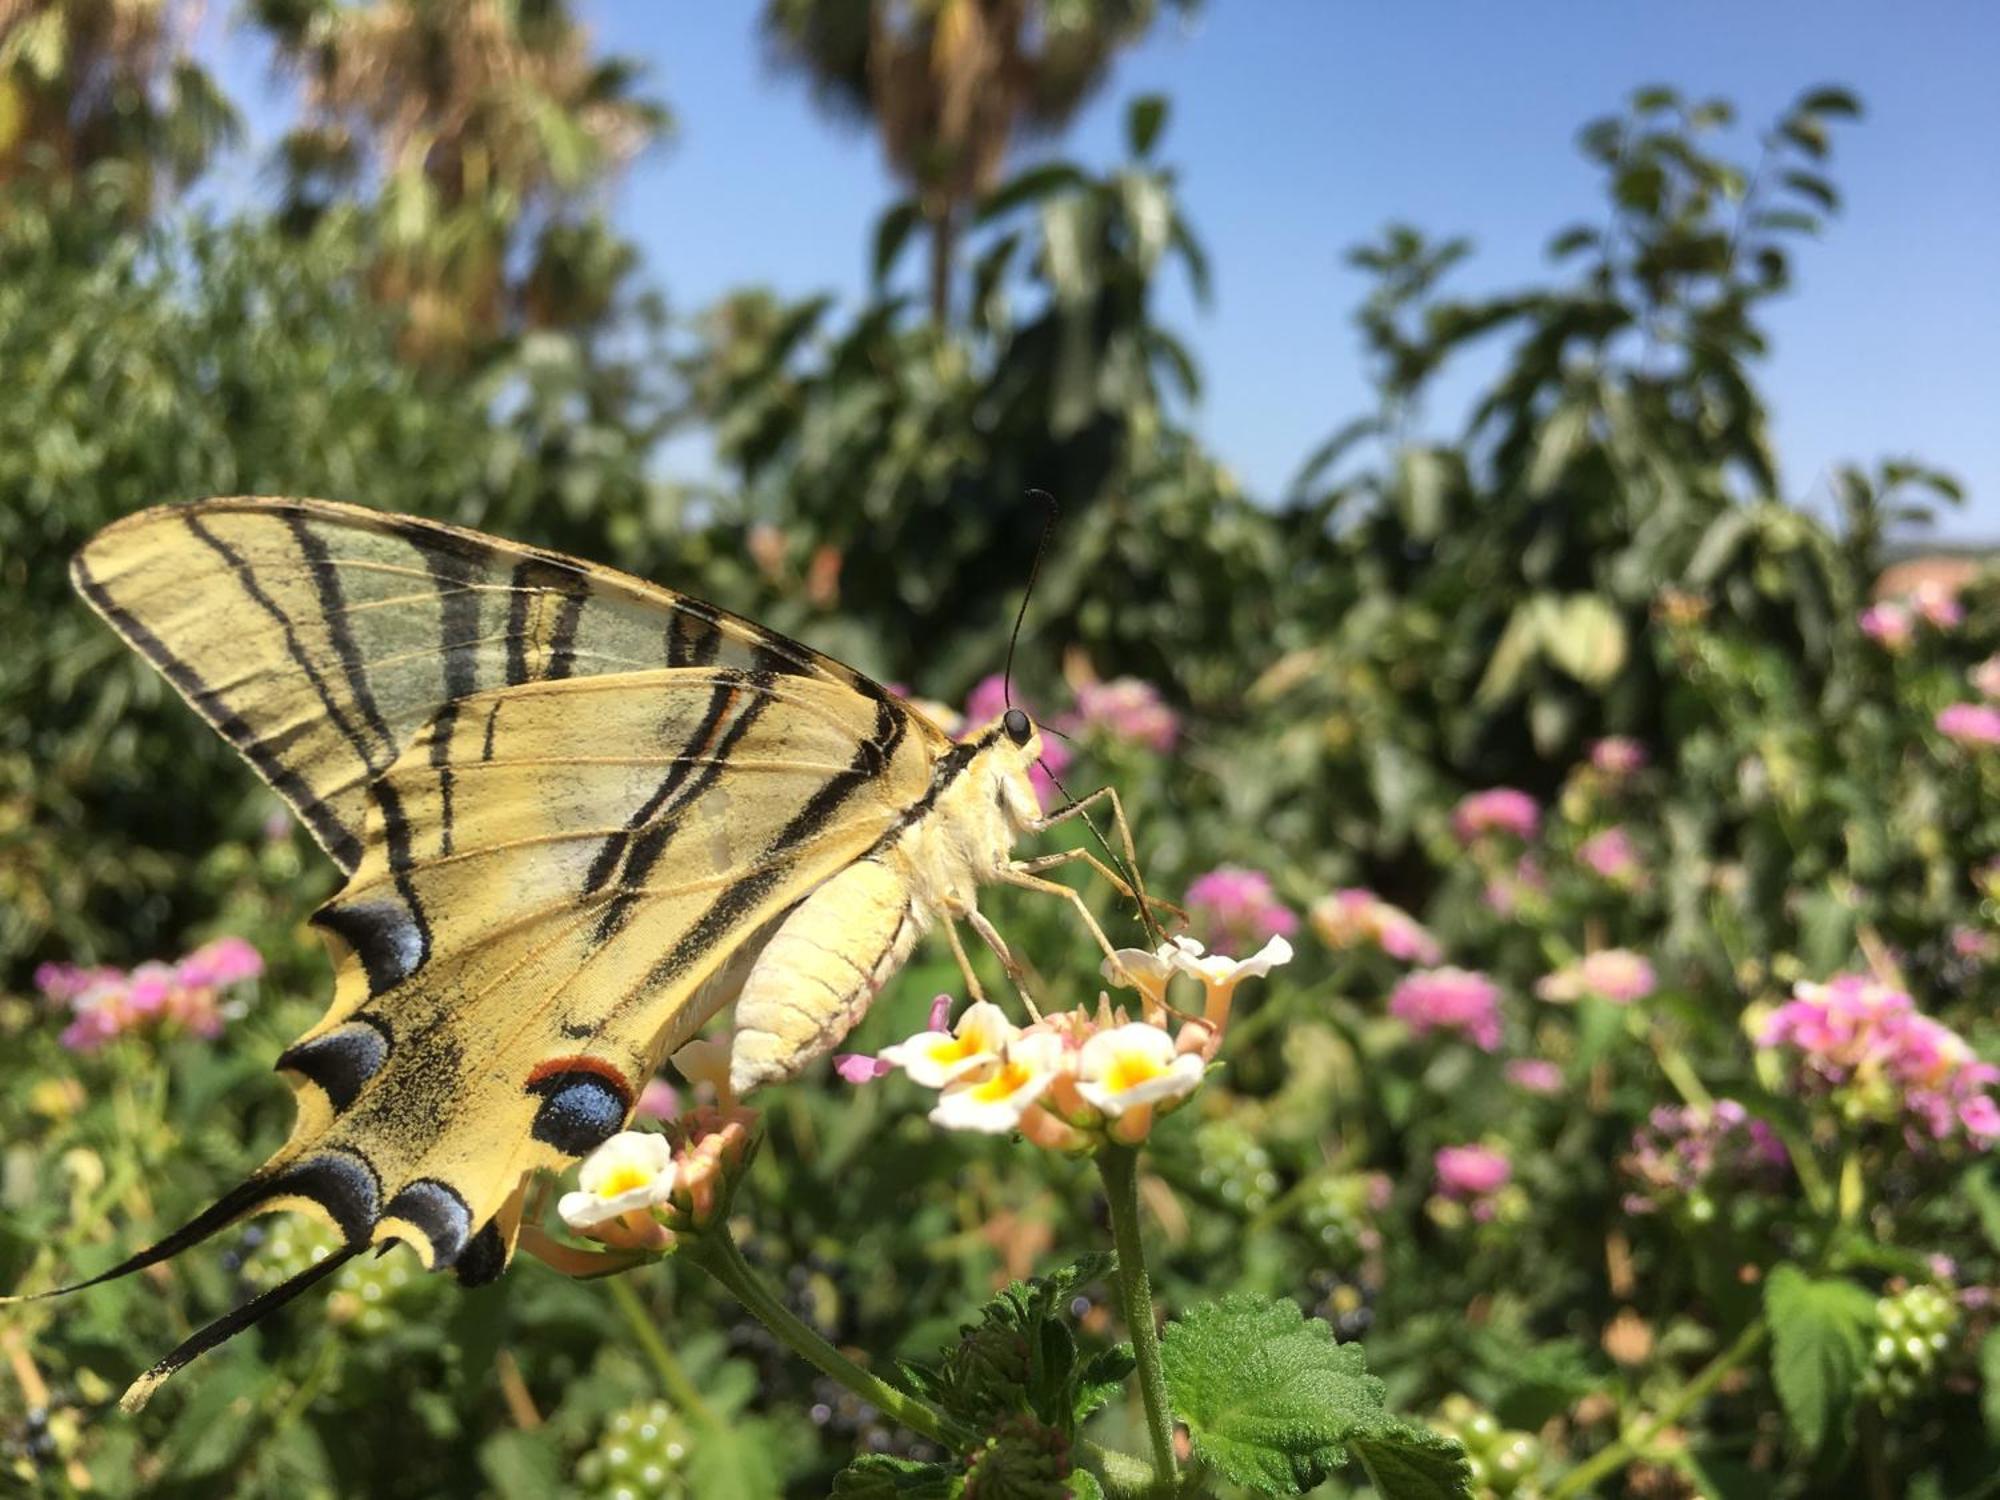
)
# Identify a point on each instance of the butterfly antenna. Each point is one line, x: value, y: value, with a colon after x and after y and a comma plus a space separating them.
x: 1127, y: 872
x: 1034, y: 572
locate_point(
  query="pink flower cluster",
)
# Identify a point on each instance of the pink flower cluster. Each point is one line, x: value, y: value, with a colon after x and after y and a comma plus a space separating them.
x: 1237, y: 909
x: 1617, y: 756
x: 1611, y: 855
x: 1129, y: 710
x: 1970, y: 723
x: 1615, y: 974
x: 106, y: 1002
x: 1500, y: 809
x: 1870, y: 1048
x: 1355, y: 918
x: 1682, y: 1150
x: 1472, y: 1175
x: 1449, y: 999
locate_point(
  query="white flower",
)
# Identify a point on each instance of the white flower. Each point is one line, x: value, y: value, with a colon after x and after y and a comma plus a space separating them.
x: 1132, y: 1065
x: 706, y: 1060
x: 1217, y: 971
x: 634, y: 1169
x: 939, y: 1058
x: 1148, y: 973
x: 993, y: 1101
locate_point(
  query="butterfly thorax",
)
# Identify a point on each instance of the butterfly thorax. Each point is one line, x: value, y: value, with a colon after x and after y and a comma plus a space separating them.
x: 981, y: 800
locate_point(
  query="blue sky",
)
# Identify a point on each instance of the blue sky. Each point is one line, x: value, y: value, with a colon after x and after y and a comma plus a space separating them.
x: 1302, y: 126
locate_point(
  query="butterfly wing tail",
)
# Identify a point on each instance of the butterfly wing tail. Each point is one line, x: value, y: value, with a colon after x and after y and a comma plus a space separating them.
x: 232, y: 1323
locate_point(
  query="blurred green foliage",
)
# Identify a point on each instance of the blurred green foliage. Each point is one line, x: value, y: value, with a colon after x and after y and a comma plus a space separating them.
x: 1606, y: 546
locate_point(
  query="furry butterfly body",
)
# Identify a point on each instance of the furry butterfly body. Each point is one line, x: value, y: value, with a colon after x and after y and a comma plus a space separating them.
x: 578, y: 814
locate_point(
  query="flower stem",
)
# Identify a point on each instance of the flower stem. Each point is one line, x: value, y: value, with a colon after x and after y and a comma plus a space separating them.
x: 1119, y: 1166
x: 1610, y: 1460
x: 673, y: 1376
x: 716, y: 1253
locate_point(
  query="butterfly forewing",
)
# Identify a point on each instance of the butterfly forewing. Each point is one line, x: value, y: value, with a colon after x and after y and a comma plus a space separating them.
x: 321, y: 638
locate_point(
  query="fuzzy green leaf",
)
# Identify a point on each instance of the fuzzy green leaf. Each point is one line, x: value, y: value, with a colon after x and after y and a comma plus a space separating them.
x: 1819, y: 1345
x: 877, y: 1476
x: 1408, y: 1462
x: 1273, y: 1403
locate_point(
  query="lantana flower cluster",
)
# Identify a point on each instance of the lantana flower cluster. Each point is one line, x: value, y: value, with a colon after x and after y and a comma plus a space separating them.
x: 1683, y: 1154
x: 1615, y: 974
x: 1892, y: 623
x: 1866, y: 1046
x: 1239, y: 907
x: 1475, y: 1181
x: 642, y: 1188
x: 1072, y: 1079
x: 1449, y: 999
x: 1356, y: 918
x: 186, y: 995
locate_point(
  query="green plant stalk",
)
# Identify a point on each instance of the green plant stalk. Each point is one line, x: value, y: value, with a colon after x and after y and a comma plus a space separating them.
x: 1610, y: 1460
x: 673, y: 1376
x: 716, y: 1253
x: 1119, y: 1166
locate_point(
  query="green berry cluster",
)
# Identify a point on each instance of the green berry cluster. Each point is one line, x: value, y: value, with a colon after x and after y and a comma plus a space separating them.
x: 640, y: 1455
x: 1913, y: 1331
x: 1233, y: 1168
x: 369, y: 1296
x: 1335, y: 1213
x: 1501, y: 1462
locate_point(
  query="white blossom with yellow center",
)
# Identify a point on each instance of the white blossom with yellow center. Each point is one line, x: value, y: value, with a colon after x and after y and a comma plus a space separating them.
x: 1131, y: 1065
x: 632, y: 1170
x: 937, y: 1059
x: 993, y: 1100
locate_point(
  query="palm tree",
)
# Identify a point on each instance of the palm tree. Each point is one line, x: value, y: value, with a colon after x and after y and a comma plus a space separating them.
x: 480, y: 123
x: 949, y: 84
x: 89, y: 82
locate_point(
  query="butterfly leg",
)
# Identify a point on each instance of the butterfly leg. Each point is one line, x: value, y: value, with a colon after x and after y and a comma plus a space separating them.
x: 1112, y: 878
x: 1014, y: 875
x: 973, y: 989
x: 1128, y: 848
x: 990, y: 936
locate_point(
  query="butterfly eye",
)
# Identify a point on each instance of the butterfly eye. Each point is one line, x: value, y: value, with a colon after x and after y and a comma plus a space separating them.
x: 1017, y: 726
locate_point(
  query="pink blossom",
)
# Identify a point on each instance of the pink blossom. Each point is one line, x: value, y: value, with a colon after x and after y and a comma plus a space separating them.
x: 1535, y: 1075
x: 659, y: 1100
x: 1618, y: 756
x: 1130, y: 710
x: 1449, y: 999
x: 1889, y: 625
x: 1985, y: 678
x: 64, y: 982
x: 859, y: 1067
x: 1500, y: 809
x: 1356, y: 918
x: 1970, y: 723
x: 1974, y: 944
x: 1237, y: 909
x: 1937, y: 604
x: 1615, y: 974
x: 1610, y: 855
x: 1869, y: 1047
x: 1684, y: 1150
x: 1468, y: 1172
x: 1508, y: 893
x: 217, y: 965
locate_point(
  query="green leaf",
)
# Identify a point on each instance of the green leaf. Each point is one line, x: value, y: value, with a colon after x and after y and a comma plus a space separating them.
x: 1143, y: 120
x: 1587, y: 640
x: 876, y: 1476
x: 1819, y: 1345
x: 1831, y: 101
x: 892, y: 232
x: 1408, y: 1462
x: 1989, y: 1383
x: 1272, y: 1402
x: 521, y: 1465
x: 1103, y: 1375
x: 746, y: 1457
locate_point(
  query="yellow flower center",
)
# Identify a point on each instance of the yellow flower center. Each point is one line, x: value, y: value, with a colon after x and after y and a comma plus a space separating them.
x: 1009, y: 1078
x: 958, y: 1049
x: 622, y: 1179
x: 1130, y: 1069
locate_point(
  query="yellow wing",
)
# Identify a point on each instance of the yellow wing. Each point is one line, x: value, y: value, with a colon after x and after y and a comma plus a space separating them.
x: 552, y: 881
x: 319, y: 639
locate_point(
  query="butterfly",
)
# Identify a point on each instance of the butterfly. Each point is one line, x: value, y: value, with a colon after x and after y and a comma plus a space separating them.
x: 577, y: 814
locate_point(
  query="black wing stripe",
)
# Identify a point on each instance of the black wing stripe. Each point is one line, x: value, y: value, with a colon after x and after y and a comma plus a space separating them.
x: 339, y: 840
x: 340, y: 632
